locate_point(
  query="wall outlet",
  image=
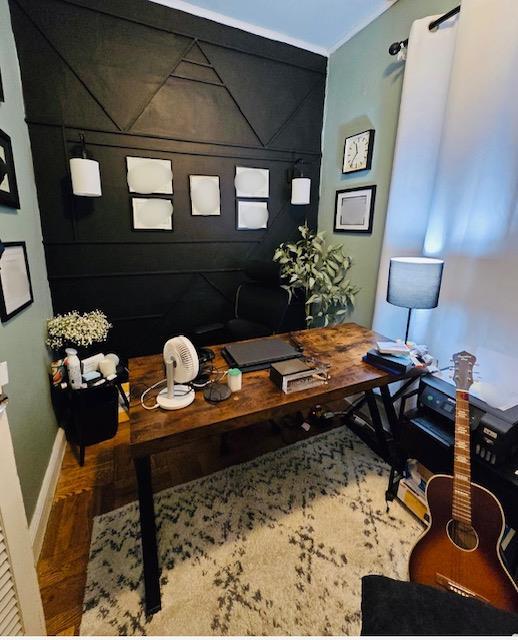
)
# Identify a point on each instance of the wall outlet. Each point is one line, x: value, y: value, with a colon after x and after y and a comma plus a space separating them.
x: 4, y: 374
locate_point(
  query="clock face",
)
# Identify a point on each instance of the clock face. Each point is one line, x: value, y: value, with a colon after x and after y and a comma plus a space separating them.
x: 358, y: 151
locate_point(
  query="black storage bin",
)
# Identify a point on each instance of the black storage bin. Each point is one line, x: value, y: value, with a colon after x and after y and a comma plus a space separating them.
x: 88, y: 415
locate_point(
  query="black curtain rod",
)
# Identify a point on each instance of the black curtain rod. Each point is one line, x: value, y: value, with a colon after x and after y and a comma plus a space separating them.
x: 396, y: 47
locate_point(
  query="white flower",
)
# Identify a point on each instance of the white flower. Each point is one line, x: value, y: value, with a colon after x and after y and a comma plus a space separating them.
x: 77, y: 329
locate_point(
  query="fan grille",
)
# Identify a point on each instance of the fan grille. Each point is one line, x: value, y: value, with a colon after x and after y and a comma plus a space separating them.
x: 184, y: 354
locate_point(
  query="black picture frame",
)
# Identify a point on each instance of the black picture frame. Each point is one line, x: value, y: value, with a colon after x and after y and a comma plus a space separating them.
x: 8, y: 198
x: 149, y: 197
x: 4, y: 315
x: 2, y: 95
x: 236, y: 208
x: 368, y: 228
x: 203, y: 215
x: 370, y: 151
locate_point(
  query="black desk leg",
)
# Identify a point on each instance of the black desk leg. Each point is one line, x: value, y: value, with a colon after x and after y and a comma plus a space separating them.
x: 148, y: 535
x: 377, y: 423
x: 397, y: 461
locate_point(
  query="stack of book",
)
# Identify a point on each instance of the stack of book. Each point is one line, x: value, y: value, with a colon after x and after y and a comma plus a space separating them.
x: 395, y: 360
x: 412, y: 489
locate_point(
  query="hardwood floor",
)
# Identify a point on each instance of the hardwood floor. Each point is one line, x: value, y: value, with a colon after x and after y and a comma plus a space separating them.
x: 107, y: 482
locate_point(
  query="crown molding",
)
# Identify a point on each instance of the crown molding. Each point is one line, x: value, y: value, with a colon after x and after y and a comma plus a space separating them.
x: 182, y: 5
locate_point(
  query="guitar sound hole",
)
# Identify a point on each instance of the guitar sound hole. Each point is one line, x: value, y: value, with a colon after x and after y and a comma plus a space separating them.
x: 463, y: 535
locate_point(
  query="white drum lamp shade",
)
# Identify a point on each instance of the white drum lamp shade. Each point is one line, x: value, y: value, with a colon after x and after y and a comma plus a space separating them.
x: 86, y: 177
x: 300, y: 190
x: 414, y: 283
x: 300, y: 183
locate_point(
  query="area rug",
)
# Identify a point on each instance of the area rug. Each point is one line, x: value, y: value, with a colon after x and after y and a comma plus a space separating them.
x: 276, y: 546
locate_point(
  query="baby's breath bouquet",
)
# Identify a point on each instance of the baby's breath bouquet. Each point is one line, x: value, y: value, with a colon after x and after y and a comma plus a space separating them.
x: 76, y: 329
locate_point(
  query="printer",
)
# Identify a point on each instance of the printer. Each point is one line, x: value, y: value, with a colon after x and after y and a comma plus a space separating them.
x: 494, y: 433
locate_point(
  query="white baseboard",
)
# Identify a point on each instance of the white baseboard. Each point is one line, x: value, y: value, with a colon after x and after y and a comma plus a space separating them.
x: 41, y: 513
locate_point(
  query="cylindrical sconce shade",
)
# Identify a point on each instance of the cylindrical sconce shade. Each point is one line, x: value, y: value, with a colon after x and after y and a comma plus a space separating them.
x: 86, y: 177
x: 414, y: 283
x: 300, y: 190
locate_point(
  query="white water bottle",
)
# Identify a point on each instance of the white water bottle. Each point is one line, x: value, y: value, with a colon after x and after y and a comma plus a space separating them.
x: 75, y: 378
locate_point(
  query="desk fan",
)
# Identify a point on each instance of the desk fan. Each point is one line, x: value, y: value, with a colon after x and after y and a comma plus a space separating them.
x: 181, y: 365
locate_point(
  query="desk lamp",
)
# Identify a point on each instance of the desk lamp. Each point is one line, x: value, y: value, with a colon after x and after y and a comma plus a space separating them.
x: 414, y: 283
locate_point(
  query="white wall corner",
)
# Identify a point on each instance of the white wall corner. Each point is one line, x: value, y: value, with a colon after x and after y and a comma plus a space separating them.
x: 41, y: 514
x: 360, y: 26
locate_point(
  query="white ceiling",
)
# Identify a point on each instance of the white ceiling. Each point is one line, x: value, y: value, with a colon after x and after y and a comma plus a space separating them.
x: 317, y: 25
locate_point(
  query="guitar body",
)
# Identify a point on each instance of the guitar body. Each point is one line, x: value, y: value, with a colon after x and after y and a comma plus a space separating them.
x: 474, y: 569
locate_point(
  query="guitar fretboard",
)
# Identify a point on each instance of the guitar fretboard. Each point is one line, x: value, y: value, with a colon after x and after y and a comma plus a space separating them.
x: 461, y: 507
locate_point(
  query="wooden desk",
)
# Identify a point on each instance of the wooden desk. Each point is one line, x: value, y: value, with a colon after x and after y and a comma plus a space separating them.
x: 151, y: 432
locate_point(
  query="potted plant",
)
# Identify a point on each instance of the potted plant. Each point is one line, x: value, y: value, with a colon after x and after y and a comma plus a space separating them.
x: 320, y: 271
x: 82, y: 331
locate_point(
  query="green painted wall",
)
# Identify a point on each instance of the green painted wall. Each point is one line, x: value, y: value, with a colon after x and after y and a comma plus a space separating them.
x: 22, y: 339
x: 363, y: 92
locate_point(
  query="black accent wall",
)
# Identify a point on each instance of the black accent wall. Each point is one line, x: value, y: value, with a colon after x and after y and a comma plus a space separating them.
x: 145, y: 80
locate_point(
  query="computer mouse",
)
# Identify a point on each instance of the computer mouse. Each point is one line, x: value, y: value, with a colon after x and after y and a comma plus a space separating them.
x: 216, y: 392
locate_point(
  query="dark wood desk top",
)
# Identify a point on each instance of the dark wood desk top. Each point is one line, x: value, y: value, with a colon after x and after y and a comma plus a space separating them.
x: 341, y: 347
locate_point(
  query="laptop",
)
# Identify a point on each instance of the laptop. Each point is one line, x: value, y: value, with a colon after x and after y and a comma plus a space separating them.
x: 258, y: 354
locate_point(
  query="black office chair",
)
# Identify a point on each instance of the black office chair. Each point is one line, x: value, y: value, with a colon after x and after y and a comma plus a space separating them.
x: 260, y: 308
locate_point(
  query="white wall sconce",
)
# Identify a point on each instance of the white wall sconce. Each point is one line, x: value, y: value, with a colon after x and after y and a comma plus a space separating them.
x: 86, y: 177
x: 300, y: 184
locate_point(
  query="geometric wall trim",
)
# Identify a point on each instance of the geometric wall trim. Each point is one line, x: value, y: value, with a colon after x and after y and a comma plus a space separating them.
x: 92, y: 48
x: 146, y: 81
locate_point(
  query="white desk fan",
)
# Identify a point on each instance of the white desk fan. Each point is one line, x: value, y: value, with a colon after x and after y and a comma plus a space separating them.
x: 182, y: 366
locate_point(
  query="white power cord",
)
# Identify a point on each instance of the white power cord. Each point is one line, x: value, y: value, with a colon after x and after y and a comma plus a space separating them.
x: 154, y: 386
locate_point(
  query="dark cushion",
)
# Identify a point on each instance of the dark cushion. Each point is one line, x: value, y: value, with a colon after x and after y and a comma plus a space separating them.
x: 239, y: 329
x: 395, y: 608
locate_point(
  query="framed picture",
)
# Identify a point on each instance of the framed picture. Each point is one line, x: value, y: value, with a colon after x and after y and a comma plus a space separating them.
x: 252, y: 215
x: 2, y: 97
x: 252, y: 183
x: 358, y: 152
x: 205, y: 196
x: 152, y: 214
x: 354, y: 210
x: 15, y: 280
x: 149, y: 175
x: 8, y: 187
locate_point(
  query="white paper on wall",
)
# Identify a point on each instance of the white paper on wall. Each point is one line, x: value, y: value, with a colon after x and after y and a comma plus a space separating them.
x: 252, y: 215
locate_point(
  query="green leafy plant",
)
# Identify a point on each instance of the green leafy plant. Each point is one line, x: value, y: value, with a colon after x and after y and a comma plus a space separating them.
x: 320, y: 271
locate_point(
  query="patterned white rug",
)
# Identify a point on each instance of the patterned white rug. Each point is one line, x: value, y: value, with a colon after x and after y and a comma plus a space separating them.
x: 276, y: 546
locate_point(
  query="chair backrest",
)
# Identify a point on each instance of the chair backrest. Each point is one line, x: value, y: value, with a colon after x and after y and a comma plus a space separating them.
x: 262, y: 304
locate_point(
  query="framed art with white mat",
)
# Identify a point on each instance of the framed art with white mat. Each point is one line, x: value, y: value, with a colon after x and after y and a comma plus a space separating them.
x: 252, y: 215
x: 152, y: 214
x: 205, y: 195
x: 252, y: 183
x: 354, y: 210
x: 149, y: 175
x: 15, y: 280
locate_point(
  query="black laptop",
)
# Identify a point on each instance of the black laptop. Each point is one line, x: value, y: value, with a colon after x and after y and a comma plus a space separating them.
x: 258, y: 354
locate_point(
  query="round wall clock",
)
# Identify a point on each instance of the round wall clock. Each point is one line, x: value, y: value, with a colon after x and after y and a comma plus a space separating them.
x: 358, y: 151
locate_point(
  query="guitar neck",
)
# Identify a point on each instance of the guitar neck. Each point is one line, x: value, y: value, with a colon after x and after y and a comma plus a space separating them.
x: 461, y: 505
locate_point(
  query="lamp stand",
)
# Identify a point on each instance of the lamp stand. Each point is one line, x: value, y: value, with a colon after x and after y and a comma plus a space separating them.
x: 408, y: 324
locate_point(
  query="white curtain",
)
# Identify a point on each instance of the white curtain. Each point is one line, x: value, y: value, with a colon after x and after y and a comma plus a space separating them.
x: 454, y: 189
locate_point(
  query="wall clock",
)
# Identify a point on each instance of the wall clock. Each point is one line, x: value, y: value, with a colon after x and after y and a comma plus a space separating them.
x: 358, y: 151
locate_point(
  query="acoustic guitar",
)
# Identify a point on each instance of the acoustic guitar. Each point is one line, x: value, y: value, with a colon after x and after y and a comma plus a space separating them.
x: 460, y: 550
